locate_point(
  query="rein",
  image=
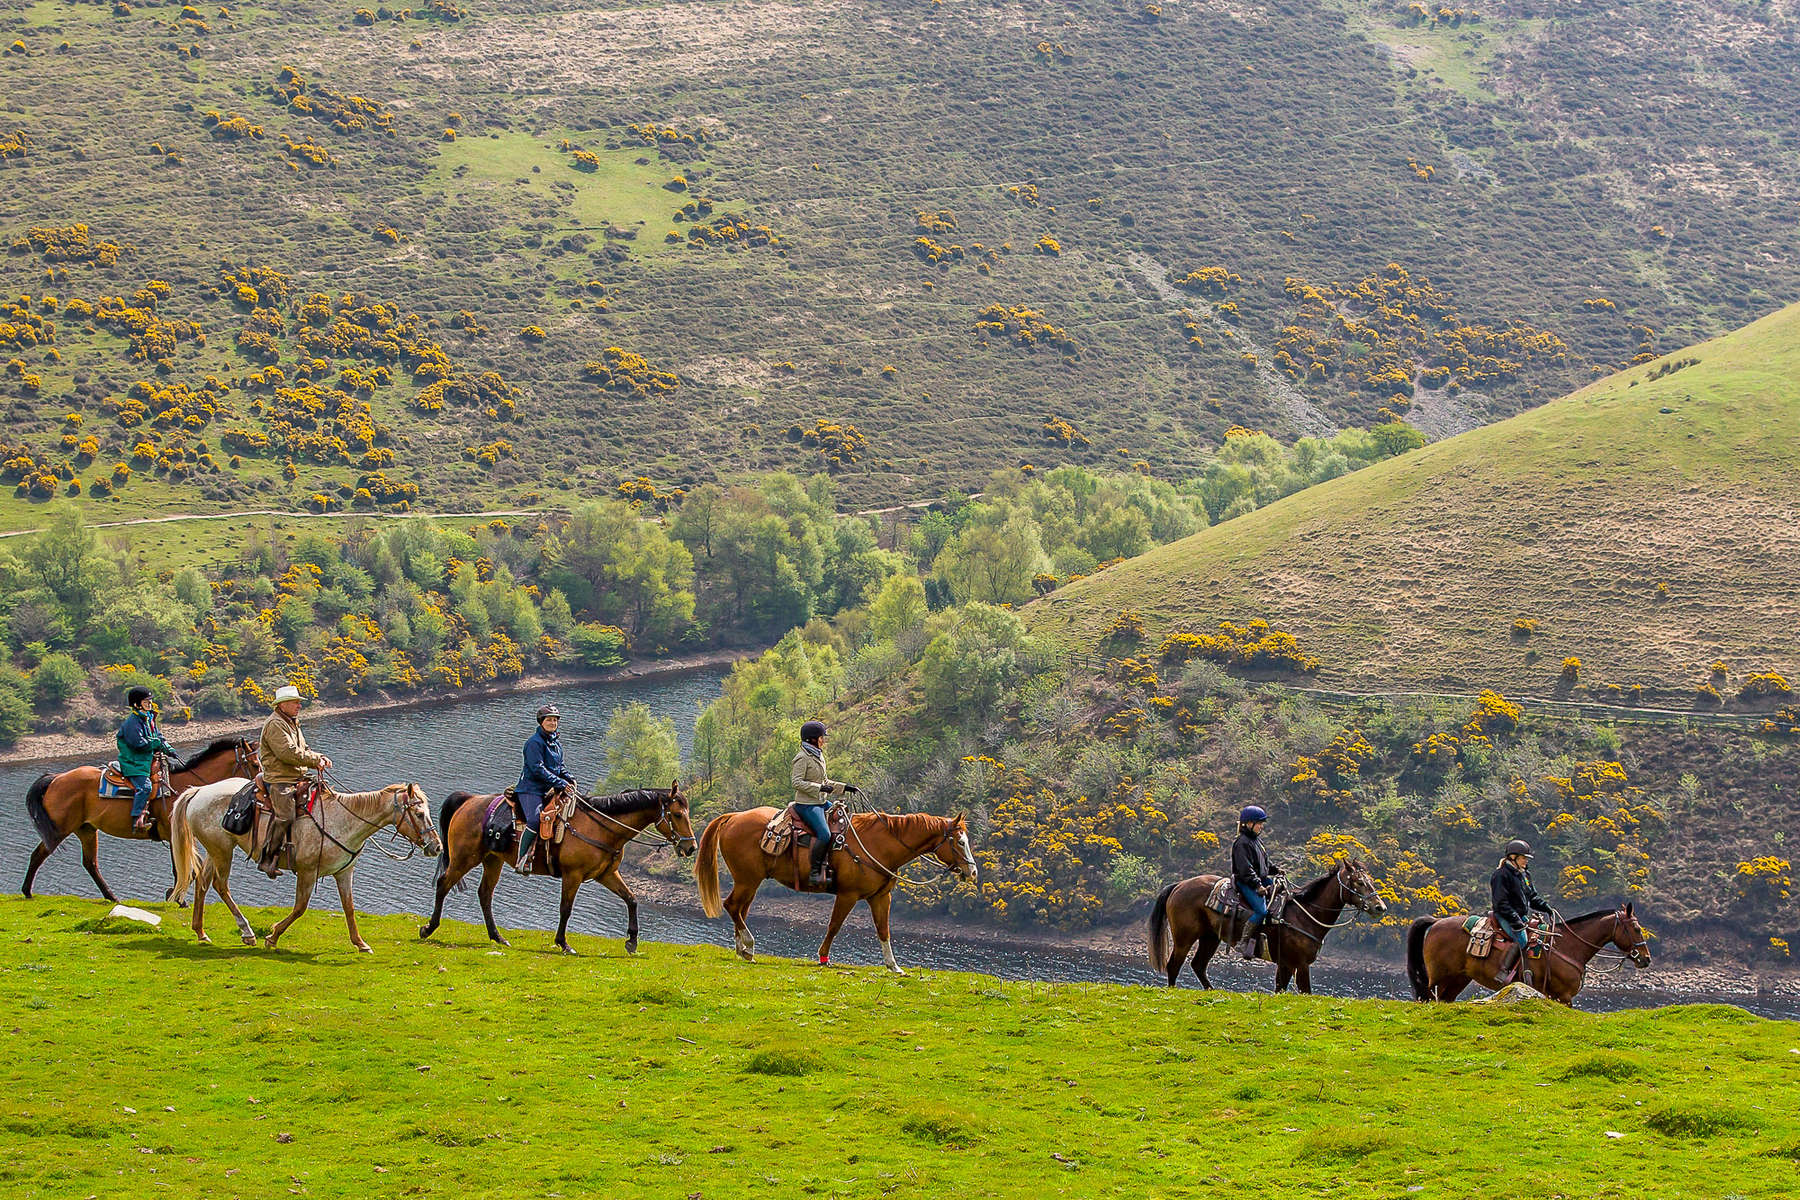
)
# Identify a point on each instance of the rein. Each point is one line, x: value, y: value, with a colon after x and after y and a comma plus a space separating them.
x: 331, y: 789
x: 949, y: 831
x: 1599, y: 948
x: 670, y: 837
x: 1353, y: 900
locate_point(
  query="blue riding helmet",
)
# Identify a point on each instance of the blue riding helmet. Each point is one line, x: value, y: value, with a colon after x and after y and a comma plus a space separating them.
x: 1252, y: 812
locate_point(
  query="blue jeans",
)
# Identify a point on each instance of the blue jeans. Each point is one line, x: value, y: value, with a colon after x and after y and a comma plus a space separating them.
x: 1259, y: 908
x: 814, y: 816
x: 141, y: 800
x: 1512, y: 931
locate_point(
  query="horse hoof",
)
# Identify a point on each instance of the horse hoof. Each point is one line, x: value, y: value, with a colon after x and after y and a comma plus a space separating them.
x: 745, y: 954
x: 364, y: 948
x: 824, y: 960
x: 249, y: 939
x: 566, y: 950
x: 424, y: 931
x: 268, y: 943
x: 631, y: 946
x: 204, y: 940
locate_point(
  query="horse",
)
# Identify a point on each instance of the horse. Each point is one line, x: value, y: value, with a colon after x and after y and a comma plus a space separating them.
x: 1439, y: 967
x: 70, y: 802
x: 880, y: 844
x: 1179, y: 918
x: 598, y: 829
x: 325, y: 841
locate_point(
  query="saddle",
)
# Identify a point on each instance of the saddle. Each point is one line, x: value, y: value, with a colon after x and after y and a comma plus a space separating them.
x: 786, y: 833
x: 504, y: 819
x: 114, y: 785
x: 252, y: 809
x: 1484, y: 930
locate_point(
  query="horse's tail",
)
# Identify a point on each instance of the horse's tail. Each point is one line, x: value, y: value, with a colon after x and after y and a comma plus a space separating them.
x: 40, y: 816
x: 182, y: 849
x: 1416, y: 974
x: 706, y: 865
x: 1156, y: 933
x: 446, y: 810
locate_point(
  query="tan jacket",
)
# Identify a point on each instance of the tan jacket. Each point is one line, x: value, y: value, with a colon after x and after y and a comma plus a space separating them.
x: 811, y: 785
x: 283, y: 752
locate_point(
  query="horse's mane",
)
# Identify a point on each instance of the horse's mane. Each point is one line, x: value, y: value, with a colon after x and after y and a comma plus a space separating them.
x: 1598, y: 912
x: 627, y: 802
x: 218, y: 746
x: 906, y: 823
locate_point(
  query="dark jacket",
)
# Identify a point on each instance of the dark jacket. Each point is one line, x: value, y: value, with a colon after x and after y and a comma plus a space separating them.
x: 139, y: 742
x: 1250, y: 863
x: 543, y: 766
x: 1514, y: 895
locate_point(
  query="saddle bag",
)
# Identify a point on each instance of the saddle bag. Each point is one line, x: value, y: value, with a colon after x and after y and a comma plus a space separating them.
x: 497, y: 824
x: 240, y: 814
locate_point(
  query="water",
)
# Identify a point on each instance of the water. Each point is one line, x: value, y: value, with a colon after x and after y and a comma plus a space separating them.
x: 474, y: 745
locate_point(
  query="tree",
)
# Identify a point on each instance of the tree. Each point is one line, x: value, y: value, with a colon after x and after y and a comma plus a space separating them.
x: 598, y: 646
x: 64, y: 559
x: 642, y: 579
x: 896, y: 607
x: 56, y: 678
x: 967, y: 666
x: 15, y: 716
x: 992, y: 563
x: 641, y: 750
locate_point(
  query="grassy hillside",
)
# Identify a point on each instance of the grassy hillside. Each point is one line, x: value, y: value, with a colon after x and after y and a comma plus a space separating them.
x: 137, y: 1062
x: 1646, y: 523
x: 940, y: 223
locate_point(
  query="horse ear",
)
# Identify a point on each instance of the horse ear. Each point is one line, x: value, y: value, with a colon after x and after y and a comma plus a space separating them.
x: 675, y: 786
x: 1628, y: 908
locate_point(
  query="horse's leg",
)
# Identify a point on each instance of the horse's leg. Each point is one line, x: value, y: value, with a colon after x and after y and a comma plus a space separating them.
x: 878, y: 908
x: 1283, y: 973
x: 1178, y: 954
x: 1303, y: 980
x: 491, y: 869
x: 202, y: 880
x: 445, y: 882
x: 343, y: 882
x: 616, y: 885
x: 738, y: 905
x: 1209, y: 945
x: 37, y: 860
x: 571, y: 884
x: 303, y: 886
x: 90, y: 858
x: 840, y: 910
x: 220, y: 873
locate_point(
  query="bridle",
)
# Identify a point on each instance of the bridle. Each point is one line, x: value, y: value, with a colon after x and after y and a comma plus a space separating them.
x: 403, y: 812
x: 1629, y: 953
x: 1358, y: 900
x: 664, y: 823
x: 951, y: 829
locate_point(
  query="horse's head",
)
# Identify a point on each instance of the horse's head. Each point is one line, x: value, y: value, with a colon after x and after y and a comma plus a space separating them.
x: 953, y: 849
x: 1629, y: 936
x: 414, y: 821
x: 673, y: 821
x: 1359, y: 887
x: 249, y: 760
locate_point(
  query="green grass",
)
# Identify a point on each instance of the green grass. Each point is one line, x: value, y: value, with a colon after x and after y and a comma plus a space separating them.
x: 443, y: 1068
x: 1411, y: 573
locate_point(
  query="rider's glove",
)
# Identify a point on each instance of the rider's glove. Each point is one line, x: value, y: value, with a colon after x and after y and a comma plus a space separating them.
x: 852, y: 789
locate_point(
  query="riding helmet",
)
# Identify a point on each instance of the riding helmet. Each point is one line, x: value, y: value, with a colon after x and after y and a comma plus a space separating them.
x: 136, y: 696
x: 1518, y: 846
x: 549, y: 710
x: 812, y: 731
x: 1252, y: 812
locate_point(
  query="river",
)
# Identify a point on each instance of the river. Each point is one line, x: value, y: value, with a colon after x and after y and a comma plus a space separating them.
x: 474, y: 745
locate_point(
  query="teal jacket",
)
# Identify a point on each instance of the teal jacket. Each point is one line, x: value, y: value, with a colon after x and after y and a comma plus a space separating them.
x: 139, y: 742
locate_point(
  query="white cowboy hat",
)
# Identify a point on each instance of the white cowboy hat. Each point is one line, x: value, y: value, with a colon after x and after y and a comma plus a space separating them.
x: 286, y: 692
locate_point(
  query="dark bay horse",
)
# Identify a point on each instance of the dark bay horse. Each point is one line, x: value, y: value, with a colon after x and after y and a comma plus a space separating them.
x: 599, y: 828
x: 70, y: 803
x: 878, y: 846
x: 1180, y: 918
x: 1439, y: 966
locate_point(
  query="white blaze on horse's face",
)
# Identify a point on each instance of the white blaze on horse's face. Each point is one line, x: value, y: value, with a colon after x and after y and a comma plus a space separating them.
x: 966, y: 868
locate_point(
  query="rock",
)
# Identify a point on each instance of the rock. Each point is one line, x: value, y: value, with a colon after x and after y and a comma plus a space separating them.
x: 135, y: 914
x: 1513, y: 993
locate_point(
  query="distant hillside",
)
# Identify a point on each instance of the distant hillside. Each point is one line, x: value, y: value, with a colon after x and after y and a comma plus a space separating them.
x: 1648, y: 524
x: 895, y: 239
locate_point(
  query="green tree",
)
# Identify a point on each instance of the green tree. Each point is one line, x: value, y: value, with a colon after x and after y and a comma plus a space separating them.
x: 968, y: 665
x: 64, y: 559
x: 642, y: 578
x: 993, y: 563
x: 15, y: 716
x: 640, y: 749
x: 55, y: 680
x: 598, y: 646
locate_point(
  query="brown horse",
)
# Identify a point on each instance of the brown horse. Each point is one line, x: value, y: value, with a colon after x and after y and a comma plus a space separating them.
x: 1180, y: 918
x: 599, y: 828
x: 879, y: 845
x: 70, y: 803
x: 1439, y: 966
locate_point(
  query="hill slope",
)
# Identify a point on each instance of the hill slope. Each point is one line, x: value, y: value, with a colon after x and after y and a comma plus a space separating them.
x: 1574, y: 515
x: 438, y: 1069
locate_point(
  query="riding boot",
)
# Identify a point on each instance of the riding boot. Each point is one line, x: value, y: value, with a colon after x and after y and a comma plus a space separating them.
x: 1250, y: 945
x: 821, y: 851
x: 270, y: 864
x: 1509, y: 966
x: 526, y: 838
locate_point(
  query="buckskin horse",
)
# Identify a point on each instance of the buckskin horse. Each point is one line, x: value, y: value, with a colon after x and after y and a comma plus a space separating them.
x: 879, y: 845
x: 1439, y: 966
x: 599, y: 829
x: 1180, y: 918
x: 70, y: 803
x: 325, y: 841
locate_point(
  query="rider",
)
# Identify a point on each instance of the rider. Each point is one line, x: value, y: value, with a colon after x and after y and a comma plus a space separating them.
x: 1253, y: 874
x: 139, y: 742
x: 285, y: 760
x: 543, y: 775
x: 1514, y: 899
x: 812, y: 794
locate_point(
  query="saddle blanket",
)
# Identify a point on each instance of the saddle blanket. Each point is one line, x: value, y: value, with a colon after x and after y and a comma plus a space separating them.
x: 1224, y: 900
x: 1484, y: 931
x: 114, y: 785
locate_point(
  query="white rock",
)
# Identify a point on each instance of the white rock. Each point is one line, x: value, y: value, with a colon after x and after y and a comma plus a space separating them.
x: 1513, y: 993
x: 1611, y: 1134
x: 135, y: 914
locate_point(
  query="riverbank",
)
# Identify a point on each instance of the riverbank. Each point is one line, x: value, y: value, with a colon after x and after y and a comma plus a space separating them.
x: 46, y: 747
x: 682, y: 1071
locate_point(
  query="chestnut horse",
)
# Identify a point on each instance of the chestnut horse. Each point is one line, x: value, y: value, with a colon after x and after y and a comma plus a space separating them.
x: 1439, y: 967
x: 1179, y: 918
x: 878, y: 846
x: 599, y: 828
x: 70, y: 803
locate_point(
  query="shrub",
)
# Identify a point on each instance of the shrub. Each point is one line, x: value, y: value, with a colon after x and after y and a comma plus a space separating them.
x: 56, y: 678
x: 597, y: 645
x: 1763, y: 686
x: 15, y: 716
x: 1571, y: 669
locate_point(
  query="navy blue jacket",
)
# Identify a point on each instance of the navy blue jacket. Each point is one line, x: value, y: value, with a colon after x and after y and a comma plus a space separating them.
x: 1513, y: 894
x: 1250, y: 863
x: 543, y: 766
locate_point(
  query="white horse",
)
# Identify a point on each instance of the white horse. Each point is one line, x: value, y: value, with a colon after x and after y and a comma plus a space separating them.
x: 324, y: 842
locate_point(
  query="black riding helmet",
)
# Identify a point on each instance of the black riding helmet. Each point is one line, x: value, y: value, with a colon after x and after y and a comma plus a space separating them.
x: 1518, y: 846
x: 136, y: 696
x: 546, y: 712
x: 812, y: 731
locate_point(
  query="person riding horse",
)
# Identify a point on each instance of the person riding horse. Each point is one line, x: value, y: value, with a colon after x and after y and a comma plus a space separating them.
x: 139, y: 742
x: 285, y: 759
x: 1514, y: 901
x: 1254, y: 876
x: 812, y: 794
x: 543, y: 776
